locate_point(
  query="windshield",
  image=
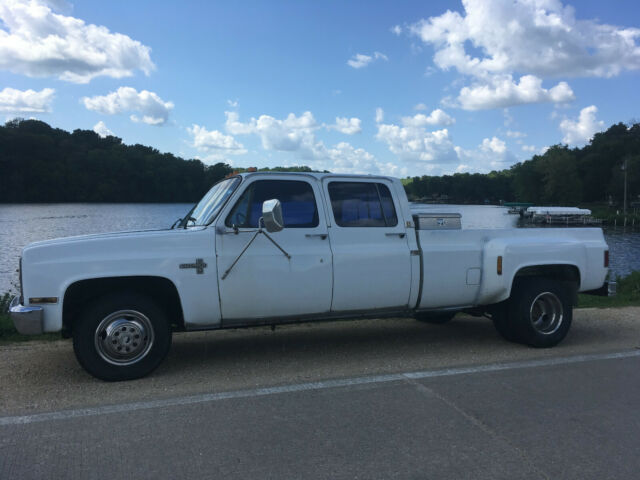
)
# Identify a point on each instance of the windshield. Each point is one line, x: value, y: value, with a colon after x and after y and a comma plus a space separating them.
x: 212, y: 202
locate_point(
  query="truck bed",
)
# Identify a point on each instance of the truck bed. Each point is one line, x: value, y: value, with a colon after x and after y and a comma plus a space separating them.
x: 459, y: 266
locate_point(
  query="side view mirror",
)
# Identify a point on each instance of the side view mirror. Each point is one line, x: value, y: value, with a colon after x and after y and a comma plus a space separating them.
x: 272, y: 215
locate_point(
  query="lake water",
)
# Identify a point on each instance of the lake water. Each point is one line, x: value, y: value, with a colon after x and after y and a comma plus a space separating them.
x: 22, y: 224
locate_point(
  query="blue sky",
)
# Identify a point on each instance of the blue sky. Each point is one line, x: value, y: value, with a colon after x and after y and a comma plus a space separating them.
x: 400, y: 88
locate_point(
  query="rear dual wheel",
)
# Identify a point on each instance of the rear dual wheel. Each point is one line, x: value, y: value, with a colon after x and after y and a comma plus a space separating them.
x: 538, y: 313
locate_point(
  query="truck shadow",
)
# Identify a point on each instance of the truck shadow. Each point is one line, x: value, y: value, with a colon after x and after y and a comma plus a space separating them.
x: 335, y: 335
x: 368, y: 345
x: 332, y: 342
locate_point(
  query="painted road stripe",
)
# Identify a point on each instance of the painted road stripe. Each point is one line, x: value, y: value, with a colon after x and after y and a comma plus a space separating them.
x: 303, y: 387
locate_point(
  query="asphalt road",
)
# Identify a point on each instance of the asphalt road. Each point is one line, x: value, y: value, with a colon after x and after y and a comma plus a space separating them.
x: 367, y: 399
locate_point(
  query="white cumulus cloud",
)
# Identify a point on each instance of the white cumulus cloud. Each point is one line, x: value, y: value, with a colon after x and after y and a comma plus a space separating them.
x: 214, y: 141
x: 101, y: 129
x: 345, y: 158
x: 542, y: 37
x: 234, y: 126
x: 493, y: 40
x: 434, y: 152
x: 296, y: 135
x: 360, y: 60
x: 348, y: 126
x: 416, y: 144
x: 291, y: 134
x: 26, y: 101
x: 493, y: 145
x: 437, y: 117
x: 153, y: 110
x: 491, y: 154
x: 580, y: 131
x: 379, y: 115
x: 37, y: 42
x: 503, y: 92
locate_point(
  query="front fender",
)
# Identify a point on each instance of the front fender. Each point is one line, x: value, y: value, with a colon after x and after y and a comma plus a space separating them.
x: 50, y: 268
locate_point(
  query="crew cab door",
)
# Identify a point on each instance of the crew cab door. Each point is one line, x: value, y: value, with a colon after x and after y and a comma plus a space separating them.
x: 371, y: 255
x: 264, y: 283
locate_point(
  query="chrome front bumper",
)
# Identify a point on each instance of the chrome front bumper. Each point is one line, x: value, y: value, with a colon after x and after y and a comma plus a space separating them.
x: 27, y: 320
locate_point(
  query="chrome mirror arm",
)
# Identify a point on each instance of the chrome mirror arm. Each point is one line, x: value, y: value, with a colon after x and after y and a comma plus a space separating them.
x: 255, y: 235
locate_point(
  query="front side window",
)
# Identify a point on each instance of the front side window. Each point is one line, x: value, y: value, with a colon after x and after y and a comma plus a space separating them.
x: 299, y: 209
x: 362, y: 204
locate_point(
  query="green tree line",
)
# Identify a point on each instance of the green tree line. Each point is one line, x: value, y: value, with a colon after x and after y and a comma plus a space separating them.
x: 39, y: 163
x: 43, y: 164
x: 562, y: 175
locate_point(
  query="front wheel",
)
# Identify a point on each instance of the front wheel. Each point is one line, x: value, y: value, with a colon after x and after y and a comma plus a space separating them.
x: 122, y: 336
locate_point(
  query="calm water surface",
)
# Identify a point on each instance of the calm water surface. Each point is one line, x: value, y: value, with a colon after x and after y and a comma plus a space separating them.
x: 23, y: 224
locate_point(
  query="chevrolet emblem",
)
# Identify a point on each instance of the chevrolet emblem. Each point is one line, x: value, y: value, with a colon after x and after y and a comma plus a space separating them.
x: 199, y: 265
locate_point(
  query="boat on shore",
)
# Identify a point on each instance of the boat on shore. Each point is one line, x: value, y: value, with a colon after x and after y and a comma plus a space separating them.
x: 560, y: 216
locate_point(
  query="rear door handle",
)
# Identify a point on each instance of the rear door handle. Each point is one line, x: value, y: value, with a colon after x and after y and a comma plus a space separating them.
x: 321, y: 235
x: 399, y: 234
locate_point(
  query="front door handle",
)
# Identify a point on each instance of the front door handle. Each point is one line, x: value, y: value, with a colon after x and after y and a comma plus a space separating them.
x: 399, y: 234
x: 321, y: 235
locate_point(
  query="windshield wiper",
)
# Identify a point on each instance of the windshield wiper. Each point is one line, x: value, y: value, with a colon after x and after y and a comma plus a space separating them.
x: 187, y: 218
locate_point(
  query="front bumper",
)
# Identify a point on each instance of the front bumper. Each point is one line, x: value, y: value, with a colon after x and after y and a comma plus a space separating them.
x: 27, y: 320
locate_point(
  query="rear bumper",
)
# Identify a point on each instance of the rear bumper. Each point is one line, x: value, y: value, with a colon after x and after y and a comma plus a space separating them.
x: 27, y: 320
x: 606, y: 290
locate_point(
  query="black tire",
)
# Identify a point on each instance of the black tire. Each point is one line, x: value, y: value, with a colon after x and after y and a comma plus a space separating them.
x: 121, y: 336
x: 540, y: 311
x: 501, y: 321
x: 435, y: 318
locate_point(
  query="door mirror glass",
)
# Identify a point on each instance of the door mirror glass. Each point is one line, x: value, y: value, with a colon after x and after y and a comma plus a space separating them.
x: 272, y: 215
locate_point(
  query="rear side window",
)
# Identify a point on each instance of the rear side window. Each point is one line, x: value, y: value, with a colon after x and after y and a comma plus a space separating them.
x: 362, y: 204
x: 299, y: 208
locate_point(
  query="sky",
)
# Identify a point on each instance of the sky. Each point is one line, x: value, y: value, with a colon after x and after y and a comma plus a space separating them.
x: 402, y: 88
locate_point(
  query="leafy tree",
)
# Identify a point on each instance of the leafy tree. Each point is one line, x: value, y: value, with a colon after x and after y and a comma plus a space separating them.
x: 43, y: 164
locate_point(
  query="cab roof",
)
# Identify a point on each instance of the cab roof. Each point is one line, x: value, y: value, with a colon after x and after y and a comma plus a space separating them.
x: 318, y: 175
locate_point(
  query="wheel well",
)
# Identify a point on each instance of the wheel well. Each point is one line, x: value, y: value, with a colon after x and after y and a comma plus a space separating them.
x: 566, y: 273
x: 161, y: 290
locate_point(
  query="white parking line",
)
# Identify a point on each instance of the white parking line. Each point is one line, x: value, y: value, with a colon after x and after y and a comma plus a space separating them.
x: 302, y: 387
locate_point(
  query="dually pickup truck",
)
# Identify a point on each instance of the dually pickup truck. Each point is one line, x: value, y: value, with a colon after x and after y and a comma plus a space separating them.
x: 273, y: 248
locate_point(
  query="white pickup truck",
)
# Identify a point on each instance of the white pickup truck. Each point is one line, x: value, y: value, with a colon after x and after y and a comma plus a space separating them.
x: 272, y: 248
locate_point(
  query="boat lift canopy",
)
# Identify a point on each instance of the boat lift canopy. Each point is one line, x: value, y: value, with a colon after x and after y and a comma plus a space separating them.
x: 561, y: 211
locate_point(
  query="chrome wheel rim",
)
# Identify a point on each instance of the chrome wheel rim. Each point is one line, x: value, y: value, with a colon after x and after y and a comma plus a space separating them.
x: 546, y: 313
x: 124, y: 337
